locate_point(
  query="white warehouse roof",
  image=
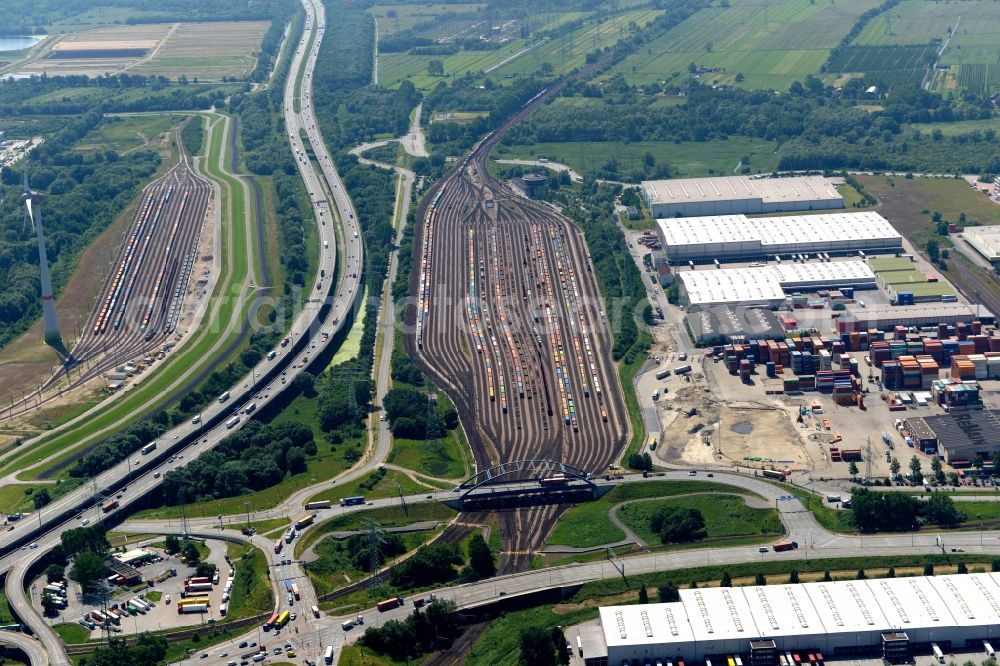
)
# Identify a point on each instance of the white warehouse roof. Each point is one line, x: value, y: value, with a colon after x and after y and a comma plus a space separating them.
x: 767, y: 284
x: 713, y: 620
x: 720, y: 236
x: 986, y: 240
x: 773, y: 190
x: 732, y: 285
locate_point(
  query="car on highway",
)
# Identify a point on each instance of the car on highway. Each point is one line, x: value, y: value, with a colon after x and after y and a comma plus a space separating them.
x: 156, y: 475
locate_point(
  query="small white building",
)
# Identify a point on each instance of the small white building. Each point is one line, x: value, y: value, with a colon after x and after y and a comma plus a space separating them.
x: 731, y: 195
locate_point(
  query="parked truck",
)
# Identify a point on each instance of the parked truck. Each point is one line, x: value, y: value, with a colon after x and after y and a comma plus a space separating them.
x: 192, y: 608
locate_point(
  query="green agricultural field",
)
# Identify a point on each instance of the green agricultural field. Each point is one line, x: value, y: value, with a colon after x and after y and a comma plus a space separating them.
x: 770, y: 43
x: 393, y: 18
x: 587, y: 525
x: 726, y: 516
x: 971, y: 55
x: 956, y: 127
x: 570, y: 51
x: 685, y: 159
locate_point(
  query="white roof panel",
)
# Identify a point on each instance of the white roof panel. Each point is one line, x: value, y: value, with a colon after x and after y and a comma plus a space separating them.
x: 846, y: 606
x: 719, y: 613
x: 645, y: 624
x: 782, y: 610
x: 732, y: 285
x: 769, y: 190
x: 776, y: 231
x: 971, y: 599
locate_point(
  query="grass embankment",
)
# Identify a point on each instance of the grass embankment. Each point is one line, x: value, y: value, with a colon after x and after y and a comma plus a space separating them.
x: 159, y: 388
x: 334, y: 568
x: 370, y: 488
x: 352, y: 655
x: 499, y: 644
x: 390, y: 516
x: 251, y: 593
x: 726, y: 517
x: 72, y: 634
x: 587, y: 525
x: 626, y: 375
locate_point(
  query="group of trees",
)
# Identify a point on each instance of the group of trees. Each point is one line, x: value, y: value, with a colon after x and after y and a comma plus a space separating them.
x: 143, y: 649
x: 255, y: 457
x: 423, y: 631
x: 543, y: 646
x: 87, y: 547
x: 674, y: 524
x: 430, y: 565
x: 875, y: 511
x: 413, y: 415
x: 819, y: 128
x: 116, y: 448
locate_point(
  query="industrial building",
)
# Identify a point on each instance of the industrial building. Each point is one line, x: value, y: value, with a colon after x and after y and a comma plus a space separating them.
x: 738, y: 237
x: 963, y: 435
x: 886, y: 317
x: 891, y: 618
x: 986, y: 240
x: 731, y: 195
x: 766, y: 285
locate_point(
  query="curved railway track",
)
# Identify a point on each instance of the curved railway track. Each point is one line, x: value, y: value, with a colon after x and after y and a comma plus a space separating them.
x: 508, y: 320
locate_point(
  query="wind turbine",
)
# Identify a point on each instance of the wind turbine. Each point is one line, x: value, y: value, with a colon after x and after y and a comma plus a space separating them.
x: 33, y: 204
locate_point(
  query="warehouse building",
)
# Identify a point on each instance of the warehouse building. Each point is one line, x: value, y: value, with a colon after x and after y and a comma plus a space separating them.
x: 963, y: 435
x: 891, y: 618
x: 766, y: 285
x: 738, y: 237
x: 986, y: 240
x: 857, y: 317
x: 731, y: 195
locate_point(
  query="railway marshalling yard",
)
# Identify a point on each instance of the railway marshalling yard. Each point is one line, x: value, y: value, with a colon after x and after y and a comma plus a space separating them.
x: 508, y: 319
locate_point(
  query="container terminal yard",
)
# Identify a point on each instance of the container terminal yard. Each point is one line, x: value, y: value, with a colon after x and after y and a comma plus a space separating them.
x: 508, y: 319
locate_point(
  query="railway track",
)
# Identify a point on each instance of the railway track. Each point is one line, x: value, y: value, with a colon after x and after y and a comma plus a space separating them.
x: 139, y: 304
x: 508, y: 320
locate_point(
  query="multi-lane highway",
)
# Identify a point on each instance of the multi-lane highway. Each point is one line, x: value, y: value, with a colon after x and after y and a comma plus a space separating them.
x: 326, y: 312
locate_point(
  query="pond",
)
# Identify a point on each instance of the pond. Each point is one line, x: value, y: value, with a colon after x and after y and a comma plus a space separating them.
x: 16, y: 43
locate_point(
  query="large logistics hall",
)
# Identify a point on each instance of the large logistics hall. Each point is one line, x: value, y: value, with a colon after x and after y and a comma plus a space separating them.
x: 891, y: 617
x: 766, y: 285
x: 986, y: 240
x: 735, y: 237
x: 689, y: 197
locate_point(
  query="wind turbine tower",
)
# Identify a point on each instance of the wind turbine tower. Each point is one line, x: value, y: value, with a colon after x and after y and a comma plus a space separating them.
x: 33, y: 203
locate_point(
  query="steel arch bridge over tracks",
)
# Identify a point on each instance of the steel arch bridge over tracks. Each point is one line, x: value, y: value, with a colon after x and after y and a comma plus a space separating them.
x: 519, y: 471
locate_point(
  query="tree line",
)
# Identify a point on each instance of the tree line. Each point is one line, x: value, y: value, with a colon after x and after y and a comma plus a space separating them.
x: 253, y: 458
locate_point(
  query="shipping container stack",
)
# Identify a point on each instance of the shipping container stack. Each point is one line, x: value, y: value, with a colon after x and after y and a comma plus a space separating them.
x: 929, y: 371
x: 880, y: 353
x: 934, y: 349
x: 892, y: 375
x: 745, y: 370
x: 911, y: 372
x: 992, y: 365
x: 770, y: 365
x: 962, y: 368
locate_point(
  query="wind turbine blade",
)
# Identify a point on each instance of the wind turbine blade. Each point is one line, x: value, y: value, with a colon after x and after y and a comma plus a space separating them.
x: 24, y: 177
x: 31, y: 215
